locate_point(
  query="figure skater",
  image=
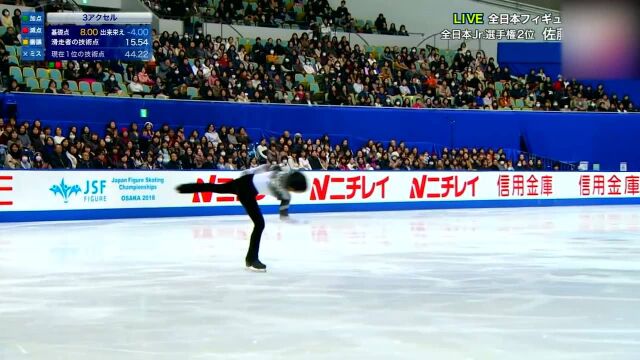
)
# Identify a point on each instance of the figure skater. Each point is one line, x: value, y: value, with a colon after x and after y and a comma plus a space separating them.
x: 261, y: 180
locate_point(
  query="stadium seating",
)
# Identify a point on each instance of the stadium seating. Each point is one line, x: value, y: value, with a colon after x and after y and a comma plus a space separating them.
x: 28, y: 72
x: 42, y: 73
x: 295, y: 15
x: 96, y: 87
x: 33, y: 84
x: 55, y: 74
x: 44, y: 83
x: 84, y: 87
x: 318, y: 82
x: 382, y: 156
x: 73, y: 86
x: 16, y: 73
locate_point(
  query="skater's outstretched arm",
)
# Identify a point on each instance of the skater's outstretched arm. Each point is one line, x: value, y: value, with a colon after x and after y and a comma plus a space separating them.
x: 284, y: 209
x: 227, y: 188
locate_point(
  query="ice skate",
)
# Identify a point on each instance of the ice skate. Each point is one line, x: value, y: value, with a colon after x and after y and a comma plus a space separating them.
x: 256, y: 266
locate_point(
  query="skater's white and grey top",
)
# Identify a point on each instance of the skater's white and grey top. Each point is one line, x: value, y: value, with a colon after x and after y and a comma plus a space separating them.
x: 272, y: 181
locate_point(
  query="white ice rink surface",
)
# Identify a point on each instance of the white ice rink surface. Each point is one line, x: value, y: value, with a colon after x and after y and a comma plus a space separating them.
x: 550, y: 283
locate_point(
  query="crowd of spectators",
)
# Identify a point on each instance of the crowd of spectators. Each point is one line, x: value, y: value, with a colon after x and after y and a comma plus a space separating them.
x: 25, y: 145
x: 313, y: 68
x: 317, y: 69
x: 309, y: 14
x: 11, y: 24
x: 305, y: 66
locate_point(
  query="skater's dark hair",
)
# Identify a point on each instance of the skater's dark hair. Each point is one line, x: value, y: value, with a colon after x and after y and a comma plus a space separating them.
x: 297, y: 181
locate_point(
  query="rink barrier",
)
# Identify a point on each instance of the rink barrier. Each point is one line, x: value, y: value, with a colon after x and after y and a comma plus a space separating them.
x: 87, y: 195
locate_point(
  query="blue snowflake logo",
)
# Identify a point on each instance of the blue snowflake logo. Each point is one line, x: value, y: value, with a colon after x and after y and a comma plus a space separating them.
x: 65, y: 190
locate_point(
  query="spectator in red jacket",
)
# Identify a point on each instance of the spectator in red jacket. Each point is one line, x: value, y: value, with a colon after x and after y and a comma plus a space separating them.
x: 558, y: 84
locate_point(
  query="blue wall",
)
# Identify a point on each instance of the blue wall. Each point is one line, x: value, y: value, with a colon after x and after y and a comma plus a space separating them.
x: 521, y: 57
x: 601, y: 138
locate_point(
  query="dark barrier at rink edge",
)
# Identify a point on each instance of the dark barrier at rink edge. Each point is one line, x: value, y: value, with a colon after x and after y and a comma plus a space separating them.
x: 603, y: 138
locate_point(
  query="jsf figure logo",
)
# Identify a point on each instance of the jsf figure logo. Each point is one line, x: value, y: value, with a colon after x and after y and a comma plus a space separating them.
x: 93, y: 191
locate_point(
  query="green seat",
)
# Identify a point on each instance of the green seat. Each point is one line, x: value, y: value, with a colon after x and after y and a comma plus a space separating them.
x: 299, y: 78
x: 247, y: 42
x: 32, y: 83
x: 16, y: 73
x: 314, y: 88
x: 12, y: 50
x: 119, y: 78
x: 449, y: 55
x: 96, y: 87
x: 55, y: 74
x: 44, y: 83
x: 192, y: 92
x: 84, y: 87
x: 136, y: 96
x: 73, y: 86
x: 87, y: 93
x: 42, y: 73
x: 14, y: 60
x: 310, y: 79
x: 100, y: 93
x: 519, y: 103
x: 499, y: 88
x: 28, y: 72
x: 3, y: 30
x: 146, y: 88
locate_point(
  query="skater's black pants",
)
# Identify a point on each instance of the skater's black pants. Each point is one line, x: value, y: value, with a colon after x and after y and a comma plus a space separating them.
x: 245, y: 190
